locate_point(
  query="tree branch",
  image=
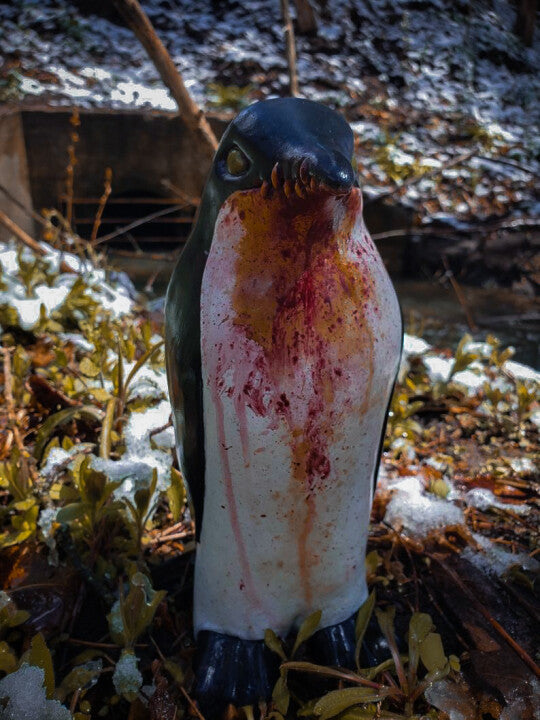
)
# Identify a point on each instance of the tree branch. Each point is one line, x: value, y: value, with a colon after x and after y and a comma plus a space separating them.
x: 21, y: 235
x: 191, y: 114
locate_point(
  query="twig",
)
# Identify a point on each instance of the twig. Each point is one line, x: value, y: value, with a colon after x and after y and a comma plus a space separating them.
x: 312, y: 669
x: 70, y: 170
x: 148, y: 288
x: 533, y: 612
x: 188, y: 199
x: 105, y: 440
x: 89, y: 643
x: 173, y: 536
x: 31, y: 213
x: 160, y: 257
x: 192, y: 115
x: 137, y: 223
x: 290, y: 47
x: 505, y: 161
x: 517, y: 224
x: 75, y: 700
x: 459, y: 294
x: 192, y: 704
x: 8, y: 386
x: 157, y: 430
x: 21, y: 235
x: 523, y: 654
x: 102, y: 202
x: 432, y: 173
x: 173, y: 528
x: 12, y: 417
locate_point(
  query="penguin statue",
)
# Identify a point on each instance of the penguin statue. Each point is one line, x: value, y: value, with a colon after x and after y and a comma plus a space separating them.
x: 283, y: 340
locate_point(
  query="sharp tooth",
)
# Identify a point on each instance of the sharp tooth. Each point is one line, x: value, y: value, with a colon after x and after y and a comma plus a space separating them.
x: 275, y: 176
x: 304, y: 171
x: 313, y: 184
x: 288, y: 188
x: 265, y: 189
x: 299, y: 190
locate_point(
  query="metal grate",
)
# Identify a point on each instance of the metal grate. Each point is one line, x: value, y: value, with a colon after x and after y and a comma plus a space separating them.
x: 165, y: 227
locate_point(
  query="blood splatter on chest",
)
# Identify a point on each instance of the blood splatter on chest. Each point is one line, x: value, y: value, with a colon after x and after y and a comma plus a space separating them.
x: 300, y: 341
x: 293, y: 322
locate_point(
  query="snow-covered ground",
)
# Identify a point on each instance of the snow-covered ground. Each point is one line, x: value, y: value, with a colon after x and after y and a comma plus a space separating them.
x: 415, y: 78
x: 419, y: 512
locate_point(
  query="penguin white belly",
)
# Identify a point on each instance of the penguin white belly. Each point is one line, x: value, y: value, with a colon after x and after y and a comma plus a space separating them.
x: 300, y: 340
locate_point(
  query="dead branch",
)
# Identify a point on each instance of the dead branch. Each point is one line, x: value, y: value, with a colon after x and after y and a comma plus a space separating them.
x: 140, y: 221
x: 512, y: 225
x: 158, y: 257
x: 188, y: 199
x: 290, y: 47
x: 192, y: 115
x: 26, y: 468
x: 102, y: 202
x: 21, y: 235
x: 521, y: 652
x: 28, y: 211
x: 459, y: 294
x: 506, y: 161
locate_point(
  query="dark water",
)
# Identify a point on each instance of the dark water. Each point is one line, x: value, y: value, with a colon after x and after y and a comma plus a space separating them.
x: 430, y: 309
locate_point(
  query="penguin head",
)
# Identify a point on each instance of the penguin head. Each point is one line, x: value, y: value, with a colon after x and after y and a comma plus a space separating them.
x: 287, y: 147
x: 292, y: 145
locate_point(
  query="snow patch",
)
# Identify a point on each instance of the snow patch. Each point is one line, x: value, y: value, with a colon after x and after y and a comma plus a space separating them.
x: 23, y: 697
x: 417, y: 512
x: 484, y: 499
x: 135, y: 468
x: 126, y: 677
x: 493, y: 559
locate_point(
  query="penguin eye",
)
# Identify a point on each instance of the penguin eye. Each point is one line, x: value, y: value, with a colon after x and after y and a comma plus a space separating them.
x: 237, y: 162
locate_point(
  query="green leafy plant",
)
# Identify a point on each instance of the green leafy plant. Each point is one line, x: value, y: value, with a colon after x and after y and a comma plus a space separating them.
x: 369, y: 698
x: 229, y: 96
x: 130, y: 617
x: 141, y: 510
x: 95, y: 502
x: 463, y: 357
x: 401, y: 422
x: 281, y: 694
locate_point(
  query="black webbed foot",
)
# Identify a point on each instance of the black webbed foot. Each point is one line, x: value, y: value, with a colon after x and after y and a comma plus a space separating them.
x: 232, y: 670
x: 335, y: 645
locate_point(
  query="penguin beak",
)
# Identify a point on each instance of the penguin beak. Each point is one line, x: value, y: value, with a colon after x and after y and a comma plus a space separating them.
x: 307, y: 176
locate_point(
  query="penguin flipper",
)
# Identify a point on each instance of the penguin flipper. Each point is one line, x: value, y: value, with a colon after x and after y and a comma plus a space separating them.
x: 183, y: 359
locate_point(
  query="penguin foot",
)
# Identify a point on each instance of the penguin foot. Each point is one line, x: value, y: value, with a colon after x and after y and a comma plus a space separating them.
x: 231, y: 670
x: 335, y: 645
